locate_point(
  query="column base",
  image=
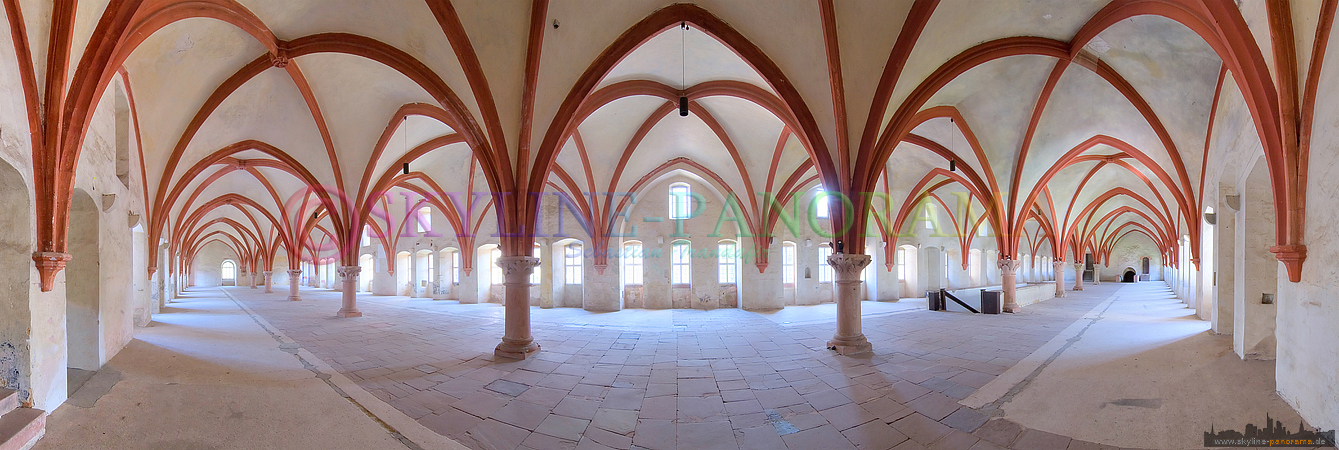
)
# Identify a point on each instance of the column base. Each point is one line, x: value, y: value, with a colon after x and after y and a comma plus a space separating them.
x: 1012, y: 308
x: 847, y: 346
x: 516, y: 349
x: 1078, y: 288
x: 294, y: 298
x: 1060, y: 294
x: 345, y: 314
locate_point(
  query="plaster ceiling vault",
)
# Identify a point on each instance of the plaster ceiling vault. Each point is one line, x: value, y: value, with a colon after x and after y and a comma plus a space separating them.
x: 278, y: 127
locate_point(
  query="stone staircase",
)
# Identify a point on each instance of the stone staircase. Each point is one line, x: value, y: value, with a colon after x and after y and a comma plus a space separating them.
x: 20, y: 428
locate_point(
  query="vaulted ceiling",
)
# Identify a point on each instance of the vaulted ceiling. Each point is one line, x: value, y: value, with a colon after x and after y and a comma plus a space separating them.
x: 290, y: 120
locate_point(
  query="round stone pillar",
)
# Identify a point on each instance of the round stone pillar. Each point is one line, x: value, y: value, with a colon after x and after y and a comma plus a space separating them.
x: 349, y: 277
x: 294, y: 277
x: 1059, y: 267
x: 516, y: 340
x: 850, y: 338
x: 269, y: 281
x: 1008, y: 277
x: 253, y: 280
x: 1078, y: 276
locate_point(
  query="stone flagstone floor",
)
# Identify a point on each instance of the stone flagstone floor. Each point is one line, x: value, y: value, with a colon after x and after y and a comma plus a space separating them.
x: 721, y: 379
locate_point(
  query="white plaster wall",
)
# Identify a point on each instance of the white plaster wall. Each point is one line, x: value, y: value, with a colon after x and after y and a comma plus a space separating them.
x: 1129, y: 253
x: 279, y: 279
x: 1256, y: 276
x: 701, y: 232
x: 33, y: 348
x: 208, y: 264
x: 1308, y: 315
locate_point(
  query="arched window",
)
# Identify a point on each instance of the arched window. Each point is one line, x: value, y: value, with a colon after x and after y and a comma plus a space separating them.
x: 229, y: 271
x: 432, y: 266
x: 494, y: 270
x: 727, y: 262
x: 680, y: 264
x: 901, y: 260
x: 929, y: 216
x: 424, y: 222
x: 945, y: 257
x: 680, y: 201
x: 788, y: 263
x: 572, y: 264
x: 983, y: 230
x: 823, y: 203
x: 455, y: 267
x: 534, y: 275
x: 825, y: 272
x: 367, y: 240
x: 1145, y: 264
x: 632, y: 263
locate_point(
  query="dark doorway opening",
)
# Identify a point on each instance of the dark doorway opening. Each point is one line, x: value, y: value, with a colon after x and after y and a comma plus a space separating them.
x: 1129, y: 276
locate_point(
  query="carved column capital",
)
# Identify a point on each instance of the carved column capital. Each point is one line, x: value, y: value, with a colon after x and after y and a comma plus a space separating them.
x: 294, y: 272
x: 1010, y: 266
x: 517, y: 269
x: 48, y: 264
x: 1060, y: 264
x: 349, y: 271
x: 1292, y: 257
x: 848, y: 265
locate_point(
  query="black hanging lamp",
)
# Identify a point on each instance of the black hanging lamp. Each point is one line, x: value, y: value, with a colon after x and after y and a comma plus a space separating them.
x: 683, y: 64
x: 404, y: 125
x: 953, y: 162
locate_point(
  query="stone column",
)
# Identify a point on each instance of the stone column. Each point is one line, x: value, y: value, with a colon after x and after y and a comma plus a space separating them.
x: 1059, y: 276
x: 1078, y: 276
x: 348, y: 275
x: 1097, y: 274
x: 850, y: 339
x: 294, y: 277
x: 1008, y: 274
x: 253, y: 279
x: 269, y: 281
x: 516, y: 340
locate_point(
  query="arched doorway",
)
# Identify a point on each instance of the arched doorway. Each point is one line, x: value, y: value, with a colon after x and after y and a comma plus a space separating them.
x: 1129, y: 276
x: 402, y: 286
x: 368, y: 264
x: 15, y: 266
x: 83, y: 284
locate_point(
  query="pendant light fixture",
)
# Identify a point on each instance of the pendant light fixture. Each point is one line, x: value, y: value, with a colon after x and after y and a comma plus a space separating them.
x: 404, y: 124
x: 683, y: 66
x: 953, y: 162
